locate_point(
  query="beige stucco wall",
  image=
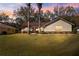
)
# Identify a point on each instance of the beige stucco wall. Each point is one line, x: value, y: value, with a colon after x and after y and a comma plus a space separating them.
x: 7, y: 28
x: 52, y: 27
x: 25, y: 29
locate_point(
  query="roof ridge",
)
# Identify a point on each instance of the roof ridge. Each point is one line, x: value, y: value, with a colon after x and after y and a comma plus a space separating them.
x: 57, y: 20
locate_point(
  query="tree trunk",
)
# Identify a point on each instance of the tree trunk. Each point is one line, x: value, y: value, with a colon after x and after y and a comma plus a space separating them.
x: 39, y: 22
x: 28, y: 27
x: 29, y: 20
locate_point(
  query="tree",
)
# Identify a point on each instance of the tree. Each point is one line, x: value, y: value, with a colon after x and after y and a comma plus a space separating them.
x: 70, y: 11
x: 23, y: 12
x: 42, y: 16
x: 59, y: 11
x: 29, y: 6
x: 48, y: 15
x: 26, y: 12
x: 65, y: 11
x: 39, y: 9
x: 4, y: 17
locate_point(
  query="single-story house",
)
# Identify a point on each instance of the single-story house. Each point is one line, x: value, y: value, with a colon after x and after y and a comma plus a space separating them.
x: 33, y: 26
x: 25, y: 30
x: 59, y: 25
x: 6, y: 29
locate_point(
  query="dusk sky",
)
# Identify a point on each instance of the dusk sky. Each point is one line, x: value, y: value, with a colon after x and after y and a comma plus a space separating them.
x: 9, y: 7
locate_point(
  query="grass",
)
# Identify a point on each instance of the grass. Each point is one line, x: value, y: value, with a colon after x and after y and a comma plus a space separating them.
x: 39, y: 44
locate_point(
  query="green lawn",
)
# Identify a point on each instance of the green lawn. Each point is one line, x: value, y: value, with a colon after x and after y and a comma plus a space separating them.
x: 39, y: 44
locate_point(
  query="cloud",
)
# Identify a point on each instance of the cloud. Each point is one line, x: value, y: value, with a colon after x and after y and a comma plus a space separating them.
x: 8, y: 12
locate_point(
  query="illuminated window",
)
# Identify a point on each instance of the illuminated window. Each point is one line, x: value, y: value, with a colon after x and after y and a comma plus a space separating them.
x: 59, y: 28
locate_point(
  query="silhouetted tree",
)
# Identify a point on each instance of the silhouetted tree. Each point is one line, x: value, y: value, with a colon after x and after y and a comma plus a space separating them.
x: 39, y: 9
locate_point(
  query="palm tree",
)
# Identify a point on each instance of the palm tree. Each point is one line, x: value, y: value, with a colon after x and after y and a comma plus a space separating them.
x: 39, y: 9
x: 29, y: 7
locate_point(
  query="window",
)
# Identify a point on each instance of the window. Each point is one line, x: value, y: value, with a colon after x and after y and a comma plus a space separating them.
x: 59, y: 28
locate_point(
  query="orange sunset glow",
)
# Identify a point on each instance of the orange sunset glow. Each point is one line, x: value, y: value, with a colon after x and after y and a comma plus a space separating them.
x: 8, y: 12
x: 48, y: 8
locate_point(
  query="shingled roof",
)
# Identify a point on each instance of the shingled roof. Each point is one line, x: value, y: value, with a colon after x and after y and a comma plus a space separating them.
x: 67, y: 19
x: 56, y: 19
x: 7, y: 24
